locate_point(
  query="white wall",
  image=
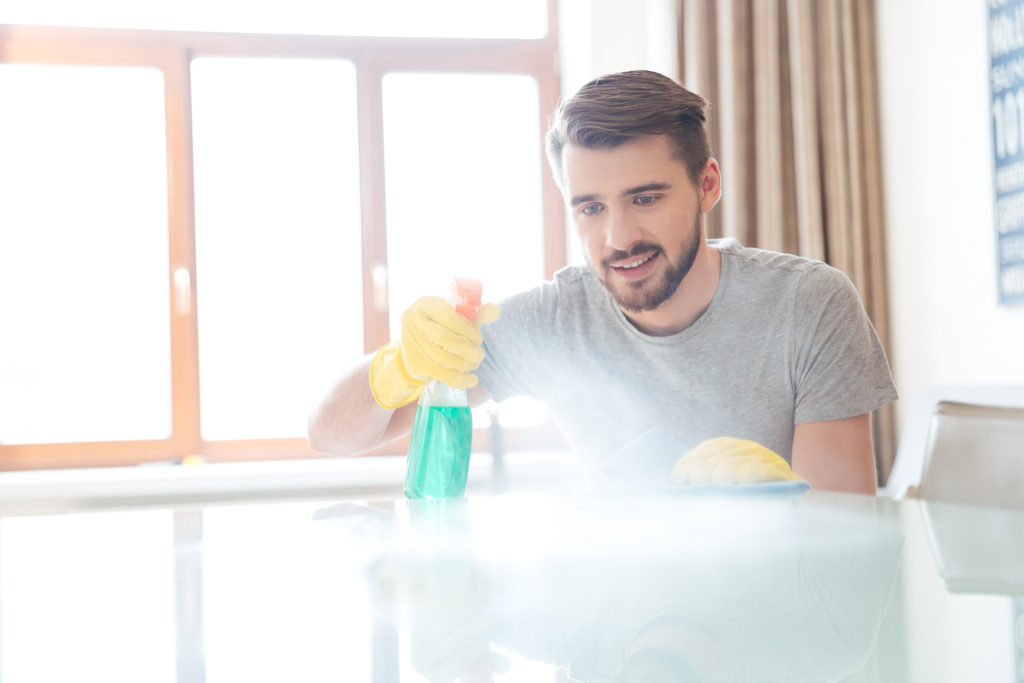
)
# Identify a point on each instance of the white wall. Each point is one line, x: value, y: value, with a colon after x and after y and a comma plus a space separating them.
x: 598, y: 37
x: 947, y: 328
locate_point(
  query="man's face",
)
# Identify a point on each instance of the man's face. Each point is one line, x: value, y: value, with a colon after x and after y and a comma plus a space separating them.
x: 637, y: 215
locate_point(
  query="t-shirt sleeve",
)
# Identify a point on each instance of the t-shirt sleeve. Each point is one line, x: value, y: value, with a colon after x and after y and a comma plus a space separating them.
x: 840, y: 368
x: 518, y: 344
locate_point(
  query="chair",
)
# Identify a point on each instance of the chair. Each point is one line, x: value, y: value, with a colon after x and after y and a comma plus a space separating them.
x: 910, y: 456
x: 975, y: 456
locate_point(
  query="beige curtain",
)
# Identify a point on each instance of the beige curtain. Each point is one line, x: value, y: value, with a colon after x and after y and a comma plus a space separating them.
x: 794, y: 126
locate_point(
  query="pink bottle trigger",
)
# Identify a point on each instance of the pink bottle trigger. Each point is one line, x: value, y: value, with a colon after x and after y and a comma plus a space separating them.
x: 466, y: 296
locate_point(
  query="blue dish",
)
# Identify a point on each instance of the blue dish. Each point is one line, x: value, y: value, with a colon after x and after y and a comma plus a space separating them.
x: 764, y: 488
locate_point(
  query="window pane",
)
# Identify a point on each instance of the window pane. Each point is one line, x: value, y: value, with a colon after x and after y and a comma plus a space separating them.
x: 434, y: 18
x: 278, y: 256
x: 84, y: 285
x: 87, y: 598
x: 462, y: 160
x: 463, y: 177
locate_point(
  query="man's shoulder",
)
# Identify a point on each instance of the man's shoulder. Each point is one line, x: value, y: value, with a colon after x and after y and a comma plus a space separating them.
x: 762, y: 259
x: 573, y: 276
x: 569, y: 284
x: 805, y: 274
x: 553, y: 303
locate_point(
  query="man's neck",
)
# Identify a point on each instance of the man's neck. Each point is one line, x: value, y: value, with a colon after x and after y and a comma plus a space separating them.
x: 690, y: 300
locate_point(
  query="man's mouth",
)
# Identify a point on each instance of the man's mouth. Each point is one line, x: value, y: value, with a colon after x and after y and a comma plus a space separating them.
x: 634, y: 264
x: 636, y: 267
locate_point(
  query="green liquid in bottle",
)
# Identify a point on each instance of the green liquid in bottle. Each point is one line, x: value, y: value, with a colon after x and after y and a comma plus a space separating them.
x: 439, y: 452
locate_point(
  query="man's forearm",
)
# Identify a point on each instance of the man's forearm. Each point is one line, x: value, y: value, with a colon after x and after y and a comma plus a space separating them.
x: 349, y: 421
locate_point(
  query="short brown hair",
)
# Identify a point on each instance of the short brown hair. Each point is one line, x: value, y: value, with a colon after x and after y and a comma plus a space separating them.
x: 614, y: 109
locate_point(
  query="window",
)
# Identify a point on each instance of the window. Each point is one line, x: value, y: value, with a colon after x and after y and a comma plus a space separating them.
x: 83, y: 181
x: 278, y: 257
x: 200, y: 231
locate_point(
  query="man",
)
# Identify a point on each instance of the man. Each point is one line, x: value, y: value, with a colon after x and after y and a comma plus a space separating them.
x: 660, y: 329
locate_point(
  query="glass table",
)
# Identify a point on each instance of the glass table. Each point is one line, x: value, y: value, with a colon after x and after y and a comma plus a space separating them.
x: 519, y: 587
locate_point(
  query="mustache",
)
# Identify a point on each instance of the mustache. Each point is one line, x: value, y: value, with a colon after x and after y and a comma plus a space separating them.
x: 636, y: 250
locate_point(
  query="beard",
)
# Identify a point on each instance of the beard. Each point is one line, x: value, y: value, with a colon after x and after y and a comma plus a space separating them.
x: 641, y: 296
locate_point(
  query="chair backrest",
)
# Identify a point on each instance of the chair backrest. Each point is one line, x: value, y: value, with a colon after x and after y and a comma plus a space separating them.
x: 975, y: 456
x: 917, y: 418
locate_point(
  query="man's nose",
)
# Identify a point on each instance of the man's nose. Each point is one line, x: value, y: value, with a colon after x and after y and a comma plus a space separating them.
x: 623, y: 230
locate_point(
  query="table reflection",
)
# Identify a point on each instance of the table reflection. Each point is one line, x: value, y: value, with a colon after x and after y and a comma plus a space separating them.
x: 599, y: 588
x: 976, y: 550
x: 622, y: 589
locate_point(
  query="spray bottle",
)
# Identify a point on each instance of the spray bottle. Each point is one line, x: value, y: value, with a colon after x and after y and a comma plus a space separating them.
x: 442, y: 433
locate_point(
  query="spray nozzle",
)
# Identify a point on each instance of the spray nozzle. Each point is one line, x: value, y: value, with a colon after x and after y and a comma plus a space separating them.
x: 466, y: 295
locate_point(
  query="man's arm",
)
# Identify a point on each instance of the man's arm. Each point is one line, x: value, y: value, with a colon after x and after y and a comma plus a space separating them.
x: 436, y: 342
x: 836, y: 455
x: 350, y: 422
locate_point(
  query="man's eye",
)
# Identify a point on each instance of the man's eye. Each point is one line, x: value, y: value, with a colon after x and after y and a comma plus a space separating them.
x: 590, y: 209
x: 645, y: 200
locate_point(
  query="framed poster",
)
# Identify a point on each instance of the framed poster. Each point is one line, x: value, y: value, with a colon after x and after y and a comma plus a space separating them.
x: 1006, y: 71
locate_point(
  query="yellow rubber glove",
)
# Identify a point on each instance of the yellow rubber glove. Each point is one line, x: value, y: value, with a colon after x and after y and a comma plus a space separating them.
x: 725, y: 461
x: 436, y: 342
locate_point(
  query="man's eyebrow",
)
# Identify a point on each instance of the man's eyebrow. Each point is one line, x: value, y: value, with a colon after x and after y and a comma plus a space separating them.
x: 582, y: 199
x: 649, y: 187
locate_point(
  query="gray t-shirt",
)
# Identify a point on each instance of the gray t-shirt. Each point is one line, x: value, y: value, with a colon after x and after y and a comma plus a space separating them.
x: 785, y: 341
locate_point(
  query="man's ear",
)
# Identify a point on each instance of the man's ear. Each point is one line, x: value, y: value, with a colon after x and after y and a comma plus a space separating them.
x: 710, y: 185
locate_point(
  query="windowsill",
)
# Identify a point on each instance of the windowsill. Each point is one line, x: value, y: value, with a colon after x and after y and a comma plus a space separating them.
x: 69, y: 490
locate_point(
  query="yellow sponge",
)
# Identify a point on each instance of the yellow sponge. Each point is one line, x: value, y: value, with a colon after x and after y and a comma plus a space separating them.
x: 726, y: 461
